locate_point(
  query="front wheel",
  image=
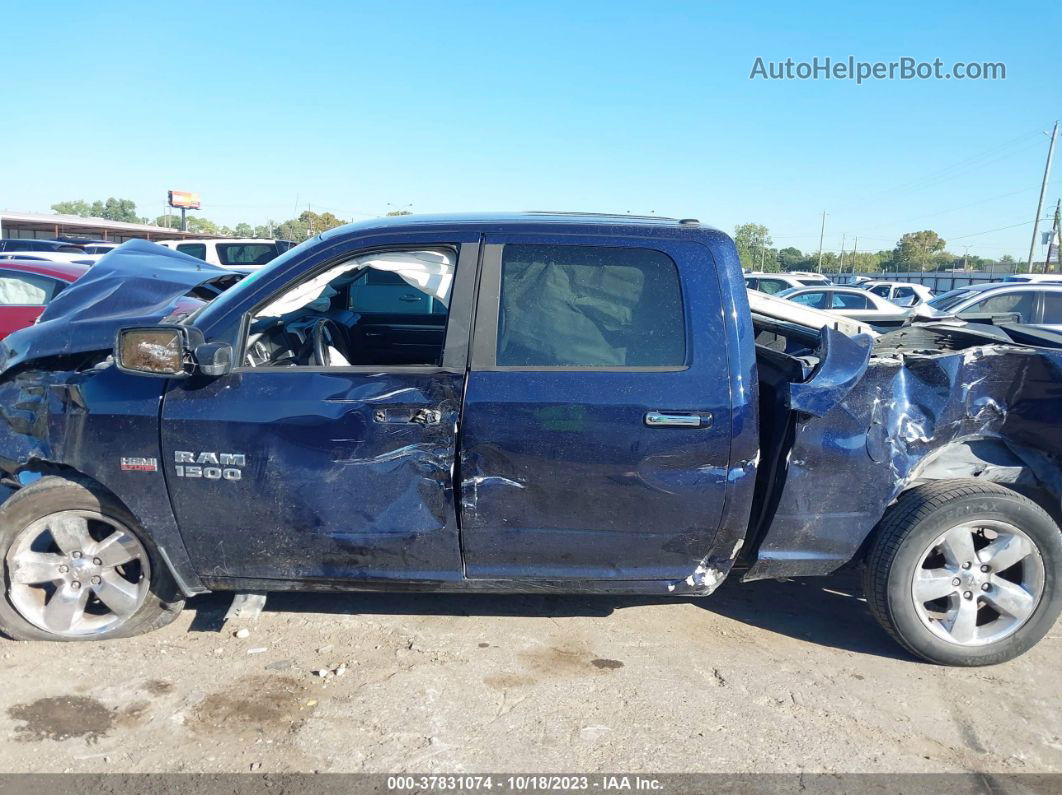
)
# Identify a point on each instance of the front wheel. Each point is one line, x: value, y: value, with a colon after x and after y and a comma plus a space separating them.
x: 78, y: 567
x: 964, y: 572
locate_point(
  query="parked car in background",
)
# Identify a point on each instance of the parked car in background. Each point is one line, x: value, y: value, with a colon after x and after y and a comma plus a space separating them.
x: 26, y: 287
x: 238, y: 253
x: 13, y: 244
x: 851, y: 302
x: 774, y: 283
x: 43, y: 250
x: 1038, y: 304
x: 99, y: 249
x: 900, y: 293
x: 1050, y: 278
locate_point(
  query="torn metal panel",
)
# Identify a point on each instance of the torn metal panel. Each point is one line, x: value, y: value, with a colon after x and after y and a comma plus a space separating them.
x: 912, y: 416
x: 843, y: 361
x: 136, y: 284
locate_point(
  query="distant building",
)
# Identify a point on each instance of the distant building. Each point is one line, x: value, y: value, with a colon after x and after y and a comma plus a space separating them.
x: 41, y: 225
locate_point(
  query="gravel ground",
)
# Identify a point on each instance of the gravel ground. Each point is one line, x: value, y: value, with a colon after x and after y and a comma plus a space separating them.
x: 769, y: 676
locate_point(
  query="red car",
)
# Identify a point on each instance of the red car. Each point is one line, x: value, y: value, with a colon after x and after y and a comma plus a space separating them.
x: 26, y: 287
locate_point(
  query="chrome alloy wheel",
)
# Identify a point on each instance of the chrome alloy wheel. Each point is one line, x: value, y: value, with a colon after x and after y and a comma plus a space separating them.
x: 978, y: 583
x: 77, y: 573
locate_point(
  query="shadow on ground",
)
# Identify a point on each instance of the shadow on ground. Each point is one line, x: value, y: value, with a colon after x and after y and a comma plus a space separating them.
x: 828, y: 611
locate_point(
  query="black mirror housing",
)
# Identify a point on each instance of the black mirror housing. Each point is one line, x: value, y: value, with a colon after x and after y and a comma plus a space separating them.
x: 214, y: 358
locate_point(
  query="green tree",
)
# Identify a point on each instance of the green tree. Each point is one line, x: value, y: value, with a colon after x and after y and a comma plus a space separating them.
x: 244, y: 230
x: 791, y: 259
x: 169, y: 221
x: 294, y: 229
x: 76, y: 207
x: 916, y: 250
x: 317, y: 223
x: 112, y: 209
x: 753, y: 243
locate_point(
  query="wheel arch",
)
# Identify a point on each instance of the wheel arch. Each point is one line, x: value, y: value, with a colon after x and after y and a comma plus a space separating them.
x: 184, y: 578
x: 991, y: 459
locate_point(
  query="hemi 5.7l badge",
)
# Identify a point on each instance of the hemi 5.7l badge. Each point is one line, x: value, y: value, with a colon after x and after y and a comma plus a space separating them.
x: 212, y: 466
x: 140, y: 465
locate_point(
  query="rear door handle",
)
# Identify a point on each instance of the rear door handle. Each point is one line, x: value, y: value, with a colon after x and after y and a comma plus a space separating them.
x: 678, y: 419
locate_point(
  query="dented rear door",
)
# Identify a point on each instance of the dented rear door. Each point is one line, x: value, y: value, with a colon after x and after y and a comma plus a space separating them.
x: 596, y: 434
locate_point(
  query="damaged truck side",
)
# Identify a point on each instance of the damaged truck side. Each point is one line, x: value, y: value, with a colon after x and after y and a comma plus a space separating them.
x: 514, y: 403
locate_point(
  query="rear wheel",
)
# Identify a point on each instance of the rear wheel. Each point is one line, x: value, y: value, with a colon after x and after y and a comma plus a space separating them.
x: 963, y: 572
x: 78, y: 567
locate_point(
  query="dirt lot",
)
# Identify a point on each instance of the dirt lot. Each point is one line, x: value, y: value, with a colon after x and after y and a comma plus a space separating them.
x: 777, y: 676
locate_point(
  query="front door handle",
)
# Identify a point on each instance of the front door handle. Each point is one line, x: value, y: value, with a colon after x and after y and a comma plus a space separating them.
x: 678, y: 419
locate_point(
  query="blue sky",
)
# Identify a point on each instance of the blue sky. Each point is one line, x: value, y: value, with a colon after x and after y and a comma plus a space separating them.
x: 266, y: 108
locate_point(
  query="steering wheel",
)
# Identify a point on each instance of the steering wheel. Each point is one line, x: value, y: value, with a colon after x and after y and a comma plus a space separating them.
x: 327, y: 337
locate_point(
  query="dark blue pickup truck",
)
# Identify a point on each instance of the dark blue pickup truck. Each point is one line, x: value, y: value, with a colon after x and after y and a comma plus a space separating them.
x: 530, y: 402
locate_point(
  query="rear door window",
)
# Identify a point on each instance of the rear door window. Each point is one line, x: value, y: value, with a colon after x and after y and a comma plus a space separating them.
x: 848, y: 301
x: 881, y: 290
x: 197, y: 250
x: 1023, y: 303
x: 246, y: 253
x: 589, y: 306
x: 816, y: 300
x: 1052, y: 309
x: 772, y: 286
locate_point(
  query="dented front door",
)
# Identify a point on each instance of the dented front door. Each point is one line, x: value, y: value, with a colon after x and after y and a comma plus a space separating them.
x: 291, y: 475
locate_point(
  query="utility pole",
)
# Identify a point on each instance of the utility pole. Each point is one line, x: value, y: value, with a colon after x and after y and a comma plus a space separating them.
x: 1043, y: 191
x: 822, y: 232
x: 840, y: 266
x: 1056, y: 230
x: 855, y: 249
x: 965, y: 257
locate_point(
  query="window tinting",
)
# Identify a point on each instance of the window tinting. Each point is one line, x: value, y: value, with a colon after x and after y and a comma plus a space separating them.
x: 589, y: 306
x: 1053, y: 309
x: 246, y: 253
x: 772, y: 286
x: 817, y: 300
x: 849, y: 301
x: 193, y: 249
x: 1022, y: 303
x: 387, y: 293
x: 881, y: 290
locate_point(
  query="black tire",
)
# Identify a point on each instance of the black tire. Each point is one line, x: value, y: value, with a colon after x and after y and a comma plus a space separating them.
x: 52, y: 494
x: 910, y: 526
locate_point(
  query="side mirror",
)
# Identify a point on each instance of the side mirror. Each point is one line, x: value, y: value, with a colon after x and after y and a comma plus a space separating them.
x: 154, y: 350
x: 170, y: 352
